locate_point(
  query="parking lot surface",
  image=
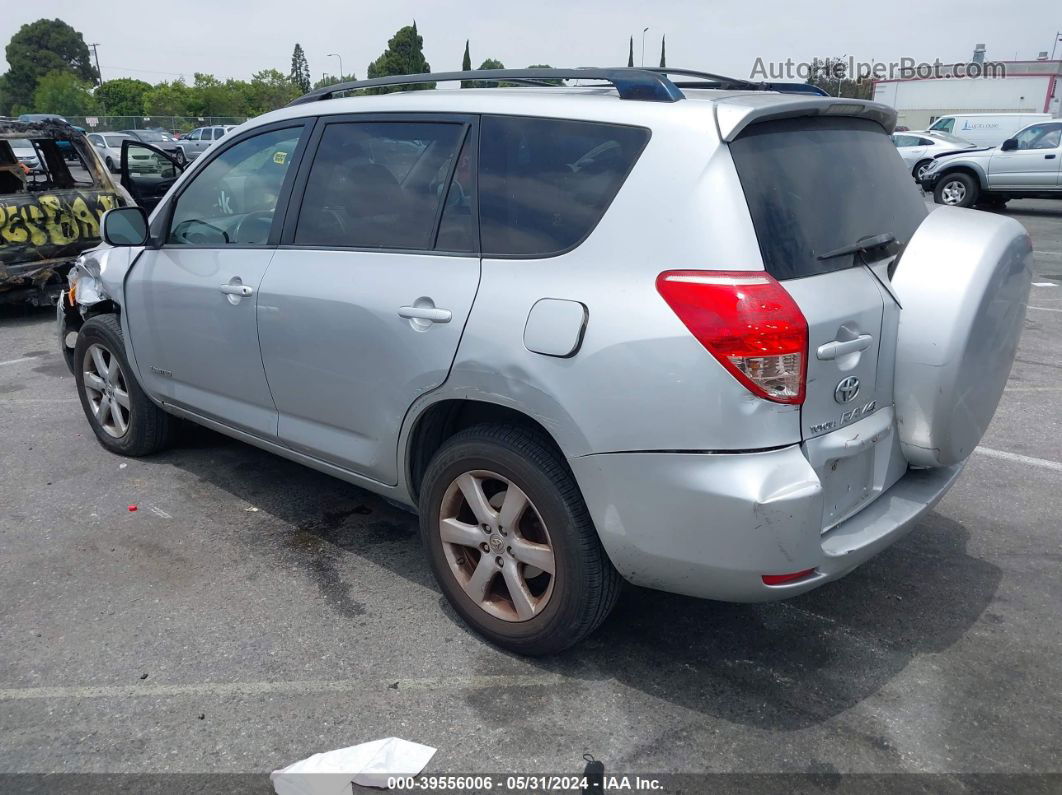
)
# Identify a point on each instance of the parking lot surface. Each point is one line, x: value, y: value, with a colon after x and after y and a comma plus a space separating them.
x: 252, y: 612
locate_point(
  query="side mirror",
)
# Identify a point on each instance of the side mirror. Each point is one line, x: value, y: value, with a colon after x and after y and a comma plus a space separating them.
x: 125, y: 226
x: 1009, y: 145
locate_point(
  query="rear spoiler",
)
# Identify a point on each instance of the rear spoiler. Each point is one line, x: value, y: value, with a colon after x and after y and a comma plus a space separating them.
x: 734, y: 114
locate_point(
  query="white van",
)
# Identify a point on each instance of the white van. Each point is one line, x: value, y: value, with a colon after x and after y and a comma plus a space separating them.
x: 986, y: 129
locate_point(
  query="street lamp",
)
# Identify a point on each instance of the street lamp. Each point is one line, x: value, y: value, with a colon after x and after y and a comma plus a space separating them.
x: 342, y: 74
x: 643, y: 45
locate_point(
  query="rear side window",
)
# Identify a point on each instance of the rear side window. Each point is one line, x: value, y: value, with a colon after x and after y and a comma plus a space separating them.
x: 817, y: 184
x: 545, y: 183
x: 379, y: 184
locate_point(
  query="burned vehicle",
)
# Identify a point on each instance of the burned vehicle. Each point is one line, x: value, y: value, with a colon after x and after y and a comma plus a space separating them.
x: 53, y: 192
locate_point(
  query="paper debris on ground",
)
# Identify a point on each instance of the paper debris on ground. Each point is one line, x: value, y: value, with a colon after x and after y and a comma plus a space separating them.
x: 368, y: 765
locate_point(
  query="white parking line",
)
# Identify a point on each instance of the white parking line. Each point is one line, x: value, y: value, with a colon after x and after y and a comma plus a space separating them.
x: 1044, y: 284
x: 1020, y: 459
x: 1045, y: 309
x: 290, y: 688
x: 18, y: 361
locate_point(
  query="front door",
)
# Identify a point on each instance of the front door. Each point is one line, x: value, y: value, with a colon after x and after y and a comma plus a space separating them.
x: 363, y: 306
x: 147, y: 173
x: 191, y: 302
x: 1034, y: 164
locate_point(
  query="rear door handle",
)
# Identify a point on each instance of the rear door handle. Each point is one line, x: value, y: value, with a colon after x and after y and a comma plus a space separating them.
x: 429, y: 313
x: 836, y: 348
x: 237, y: 289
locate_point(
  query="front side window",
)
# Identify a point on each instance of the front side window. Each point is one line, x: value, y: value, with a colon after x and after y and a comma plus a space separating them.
x: 194, y: 135
x: 545, y: 183
x: 947, y: 124
x: 233, y: 199
x: 1039, y: 136
x: 378, y: 184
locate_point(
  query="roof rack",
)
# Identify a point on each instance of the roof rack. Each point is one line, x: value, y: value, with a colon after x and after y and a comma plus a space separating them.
x: 640, y: 84
x: 650, y: 84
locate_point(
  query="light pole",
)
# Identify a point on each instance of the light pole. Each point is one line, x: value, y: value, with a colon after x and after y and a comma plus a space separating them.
x: 1058, y: 38
x: 643, y: 45
x: 342, y: 74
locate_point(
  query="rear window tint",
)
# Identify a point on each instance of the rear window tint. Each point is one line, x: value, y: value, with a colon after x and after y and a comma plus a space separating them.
x: 545, y: 183
x: 815, y: 184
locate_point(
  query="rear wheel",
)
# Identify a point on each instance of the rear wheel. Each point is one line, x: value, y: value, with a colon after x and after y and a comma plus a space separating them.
x: 511, y: 543
x: 123, y: 418
x: 956, y: 190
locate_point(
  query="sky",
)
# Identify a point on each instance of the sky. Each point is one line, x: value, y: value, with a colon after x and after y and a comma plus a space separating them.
x: 157, y: 41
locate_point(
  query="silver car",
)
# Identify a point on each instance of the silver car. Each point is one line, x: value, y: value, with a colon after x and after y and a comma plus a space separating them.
x: 109, y: 147
x: 202, y: 138
x: 917, y: 149
x: 590, y: 334
x: 1027, y: 166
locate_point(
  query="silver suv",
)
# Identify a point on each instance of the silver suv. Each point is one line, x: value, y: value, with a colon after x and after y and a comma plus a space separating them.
x: 699, y: 336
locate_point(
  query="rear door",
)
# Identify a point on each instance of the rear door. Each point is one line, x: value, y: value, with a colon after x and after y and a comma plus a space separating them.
x: 816, y: 185
x: 362, y: 309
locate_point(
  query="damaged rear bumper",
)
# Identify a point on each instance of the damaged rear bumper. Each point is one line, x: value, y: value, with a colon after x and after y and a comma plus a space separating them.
x: 711, y: 525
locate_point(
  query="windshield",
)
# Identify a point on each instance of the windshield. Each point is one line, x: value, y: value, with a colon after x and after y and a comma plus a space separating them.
x: 949, y: 139
x: 944, y: 125
x: 153, y: 136
x: 115, y: 140
x: 20, y: 143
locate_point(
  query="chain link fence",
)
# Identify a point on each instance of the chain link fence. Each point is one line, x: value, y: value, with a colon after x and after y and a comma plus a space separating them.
x: 181, y: 124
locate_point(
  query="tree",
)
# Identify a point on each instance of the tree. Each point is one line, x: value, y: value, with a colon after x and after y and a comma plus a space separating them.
x: 269, y: 90
x: 168, y: 99
x: 491, y: 63
x: 630, y: 53
x: 404, y: 56
x: 63, y: 93
x: 331, y: 80
x: 831, y: 75
x: 300, y: 69
x: 551, y: 81
x: 663, y: 52
x: 123, y: 96
x: 466, y: 66
x: 40, y: 48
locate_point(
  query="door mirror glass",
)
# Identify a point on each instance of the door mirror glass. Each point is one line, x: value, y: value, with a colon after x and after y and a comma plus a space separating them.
x: 1009, y: 145
x: 125, y: 226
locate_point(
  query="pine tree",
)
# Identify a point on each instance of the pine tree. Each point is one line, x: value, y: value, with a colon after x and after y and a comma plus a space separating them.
x: 630, y: 56
x: 300, y: 69
x: 466, y: 66
x: 404, y: 56
x: 663, y: 51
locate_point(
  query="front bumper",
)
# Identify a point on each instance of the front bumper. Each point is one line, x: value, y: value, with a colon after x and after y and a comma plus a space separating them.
x: 929, y: 182
x: 710, y: 525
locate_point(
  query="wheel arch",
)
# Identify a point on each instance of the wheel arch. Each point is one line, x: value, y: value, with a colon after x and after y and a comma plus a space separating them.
x: 965, y: 168
x: 438, y: 421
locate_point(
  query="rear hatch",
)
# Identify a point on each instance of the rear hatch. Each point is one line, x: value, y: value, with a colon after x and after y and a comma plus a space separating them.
x: 816, y: 185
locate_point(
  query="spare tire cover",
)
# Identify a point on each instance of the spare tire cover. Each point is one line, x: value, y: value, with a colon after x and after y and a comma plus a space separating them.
x: 963, y: 284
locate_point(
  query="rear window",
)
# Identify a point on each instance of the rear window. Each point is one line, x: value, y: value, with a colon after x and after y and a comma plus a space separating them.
x: 814, y: 185
x: 545, y: 183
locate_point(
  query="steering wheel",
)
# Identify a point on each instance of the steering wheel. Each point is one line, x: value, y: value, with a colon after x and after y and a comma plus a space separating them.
x: 253, y: 218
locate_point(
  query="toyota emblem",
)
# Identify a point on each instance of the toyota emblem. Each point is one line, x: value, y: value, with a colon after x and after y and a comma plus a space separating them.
x: 846, y: 389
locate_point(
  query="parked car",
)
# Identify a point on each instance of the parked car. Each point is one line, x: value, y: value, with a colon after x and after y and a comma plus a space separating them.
x: 201, y: 138
x: 985, y: 129
x: 918, y: 149
x: 1023, y: 167
x: 160, y: 139
x: 571, y: 380
x: 50, y: 206
x: 64, y: 146
x: 109, y: 147
x: 27, y: 154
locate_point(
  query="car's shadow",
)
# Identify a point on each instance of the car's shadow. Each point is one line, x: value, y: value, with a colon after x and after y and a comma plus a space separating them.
x: 783, y: 665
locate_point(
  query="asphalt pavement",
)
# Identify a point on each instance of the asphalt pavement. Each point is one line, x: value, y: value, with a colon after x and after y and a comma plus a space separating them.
x: 252, y: 612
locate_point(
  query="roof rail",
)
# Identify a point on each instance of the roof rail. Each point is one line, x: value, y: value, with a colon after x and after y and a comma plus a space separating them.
x: 724, y: 82
x: 640, y: 84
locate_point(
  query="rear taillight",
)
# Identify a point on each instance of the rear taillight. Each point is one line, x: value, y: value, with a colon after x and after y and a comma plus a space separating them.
x: 748, y: 322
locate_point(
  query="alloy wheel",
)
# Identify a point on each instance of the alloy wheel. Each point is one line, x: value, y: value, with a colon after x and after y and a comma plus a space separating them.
x: 953, y: 192
x: 497, y: 546
x: 106, y: 390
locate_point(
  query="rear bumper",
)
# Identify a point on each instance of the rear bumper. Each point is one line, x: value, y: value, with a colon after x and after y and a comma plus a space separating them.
x: 710, y: 525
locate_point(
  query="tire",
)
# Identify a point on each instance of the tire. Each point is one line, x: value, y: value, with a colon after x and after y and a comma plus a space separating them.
x: 110, y: 166
x: 571, y: 602
x: 146, y: 428
x: 957, y: 189
x: 182, y: 159
x: 920, y: 166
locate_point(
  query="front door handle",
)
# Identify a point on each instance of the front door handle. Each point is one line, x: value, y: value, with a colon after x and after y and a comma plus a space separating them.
x: 1049, y: 157
x: 430, y: 313
x: 837, y: 348
x: 242, y: 290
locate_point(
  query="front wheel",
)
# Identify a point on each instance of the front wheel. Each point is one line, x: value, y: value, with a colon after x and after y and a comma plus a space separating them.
x: 919, y: 170
x: 110, y: 166
x: 956, y: 190
x: 123, y: 418
x: 511, y: 543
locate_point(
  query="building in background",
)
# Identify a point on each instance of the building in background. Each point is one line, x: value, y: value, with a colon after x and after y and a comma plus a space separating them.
x: 1029, y: 87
